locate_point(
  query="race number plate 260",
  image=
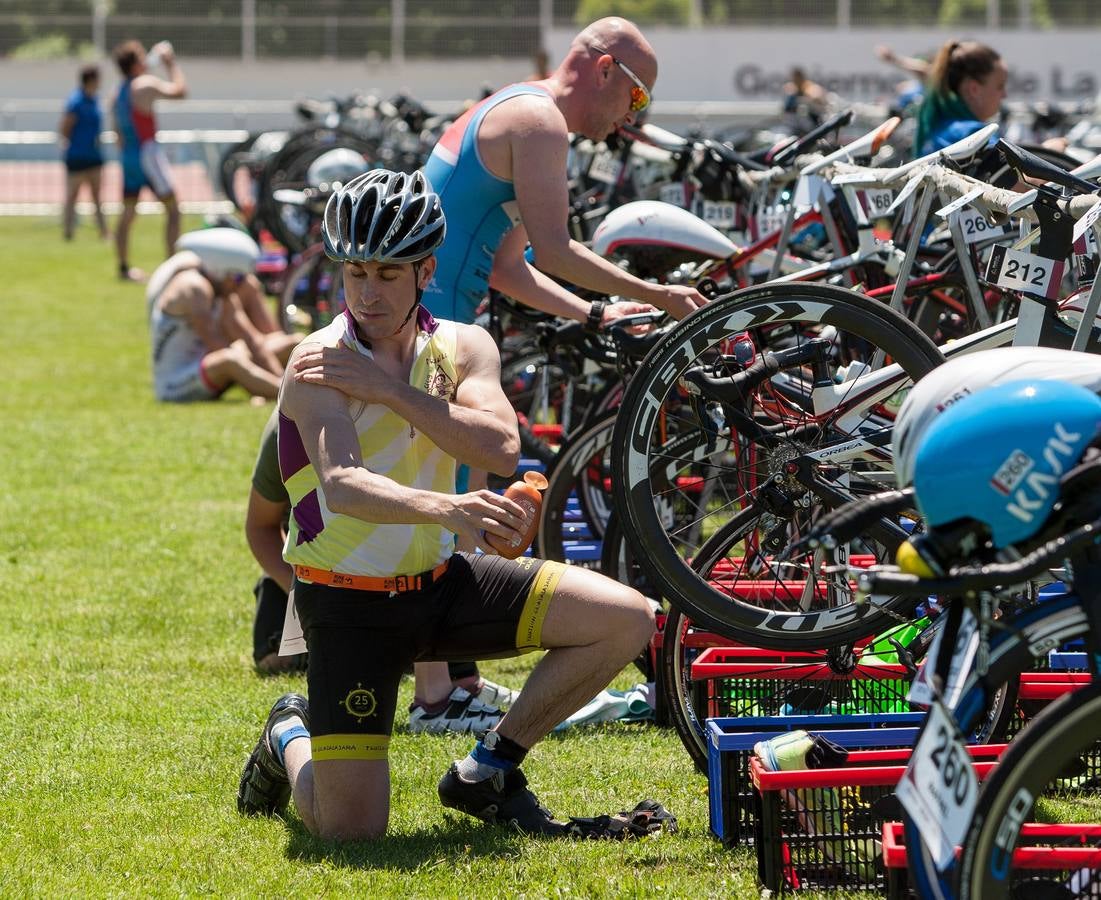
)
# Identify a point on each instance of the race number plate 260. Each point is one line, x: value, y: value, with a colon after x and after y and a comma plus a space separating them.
x: 1019, y: 271
x: 940, y: 788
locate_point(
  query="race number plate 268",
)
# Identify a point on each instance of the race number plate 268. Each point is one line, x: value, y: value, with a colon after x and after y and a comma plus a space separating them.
x: 939, y: 789
x: 1019, y: 271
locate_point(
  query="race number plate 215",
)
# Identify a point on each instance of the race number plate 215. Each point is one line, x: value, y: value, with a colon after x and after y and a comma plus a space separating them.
x: 940, y: 789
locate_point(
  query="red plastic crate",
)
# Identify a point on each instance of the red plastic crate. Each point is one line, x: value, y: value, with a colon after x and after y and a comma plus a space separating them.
x: 1051, y: 852
x: 749, y: 681
x: 822, y: 828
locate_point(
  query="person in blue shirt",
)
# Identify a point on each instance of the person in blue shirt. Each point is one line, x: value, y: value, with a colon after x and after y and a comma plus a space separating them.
x: 965, y: 88
x: 79, y: 139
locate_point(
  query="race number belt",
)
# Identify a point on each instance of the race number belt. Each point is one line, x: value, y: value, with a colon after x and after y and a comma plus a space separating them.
x: 394, y: 584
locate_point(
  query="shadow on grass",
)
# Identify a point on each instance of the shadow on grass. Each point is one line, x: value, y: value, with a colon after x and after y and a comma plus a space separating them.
x: 430, y: 848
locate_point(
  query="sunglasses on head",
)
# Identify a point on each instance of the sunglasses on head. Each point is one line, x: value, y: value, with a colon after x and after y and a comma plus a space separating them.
x: 640, y: 94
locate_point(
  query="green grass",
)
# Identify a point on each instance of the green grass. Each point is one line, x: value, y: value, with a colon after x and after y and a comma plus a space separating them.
x: 129, y: 702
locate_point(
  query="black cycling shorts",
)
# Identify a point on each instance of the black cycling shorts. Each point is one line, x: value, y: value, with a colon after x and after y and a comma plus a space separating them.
x: 361, y: 642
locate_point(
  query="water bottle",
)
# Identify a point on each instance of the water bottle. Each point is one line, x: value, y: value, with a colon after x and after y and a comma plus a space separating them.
x: 527, y: 494
x: 156, y: 53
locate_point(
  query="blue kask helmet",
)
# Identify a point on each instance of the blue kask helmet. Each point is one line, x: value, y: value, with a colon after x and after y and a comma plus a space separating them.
x: 997, y: 456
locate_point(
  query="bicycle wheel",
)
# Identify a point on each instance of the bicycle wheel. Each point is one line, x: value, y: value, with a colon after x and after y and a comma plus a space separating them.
x: 822, y: 683
x: 291, y: 223
x: 581, y: 473
x: 1049, y: 774
x: 313, y: 293
x: 684, y: 471
x: 1049, y: 624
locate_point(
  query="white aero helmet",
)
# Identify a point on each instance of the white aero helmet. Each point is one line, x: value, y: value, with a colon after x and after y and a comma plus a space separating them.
x: 335, y: 167
x: 383, y: 216
x: 222, y: 251
x: 962, y: 376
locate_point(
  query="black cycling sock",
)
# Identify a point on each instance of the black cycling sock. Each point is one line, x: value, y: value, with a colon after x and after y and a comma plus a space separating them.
x: 461, y: 670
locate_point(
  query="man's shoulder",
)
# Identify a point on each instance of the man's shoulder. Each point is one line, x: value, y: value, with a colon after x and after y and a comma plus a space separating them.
x: 184, y: 291
x: 530, y: 106
x: 332, y: 335
x: 473, y: 343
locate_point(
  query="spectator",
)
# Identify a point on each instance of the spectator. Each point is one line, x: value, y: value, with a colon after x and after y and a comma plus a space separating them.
x: 210, y: 327
x: 965, y: 88
x: 805, y: 98
x: 143, y: 161
x: 910, y: 92
x: 79, y: 139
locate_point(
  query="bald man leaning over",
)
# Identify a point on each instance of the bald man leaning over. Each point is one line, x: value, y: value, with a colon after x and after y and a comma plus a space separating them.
x: 500, y: 171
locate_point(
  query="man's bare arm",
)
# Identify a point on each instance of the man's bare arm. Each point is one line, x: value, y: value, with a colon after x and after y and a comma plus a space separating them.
x: 539, y: 149
x: 65, y: 130
x: 478, y: 428
x: 264, y: 533
x: 148, y: 88
x: 237, y: 324
x: 329, y: 437
x: 515, y: 276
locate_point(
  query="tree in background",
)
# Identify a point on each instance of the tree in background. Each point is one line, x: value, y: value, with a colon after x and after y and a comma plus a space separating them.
x: 644, y: 12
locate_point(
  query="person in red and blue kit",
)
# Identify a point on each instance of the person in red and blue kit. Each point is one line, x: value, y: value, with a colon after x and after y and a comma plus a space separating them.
x: 143, y: 161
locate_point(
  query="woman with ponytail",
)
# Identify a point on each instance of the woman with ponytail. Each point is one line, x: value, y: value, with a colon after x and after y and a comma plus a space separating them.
x: 965, y: 88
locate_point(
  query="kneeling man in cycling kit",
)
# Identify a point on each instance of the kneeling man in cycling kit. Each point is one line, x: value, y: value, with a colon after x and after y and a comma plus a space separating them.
x: 370, y: 471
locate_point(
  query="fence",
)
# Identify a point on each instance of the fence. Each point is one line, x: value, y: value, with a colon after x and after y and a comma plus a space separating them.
x: 418, y: 29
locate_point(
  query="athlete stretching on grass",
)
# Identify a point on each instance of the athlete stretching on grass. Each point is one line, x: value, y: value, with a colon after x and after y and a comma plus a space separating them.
x: 210, y: 328
x: 377, y: 584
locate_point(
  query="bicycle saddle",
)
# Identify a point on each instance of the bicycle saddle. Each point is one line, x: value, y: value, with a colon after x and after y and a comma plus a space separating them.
x: 1089, y: 170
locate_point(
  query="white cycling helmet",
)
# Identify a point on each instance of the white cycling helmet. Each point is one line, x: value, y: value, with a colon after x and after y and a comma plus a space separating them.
x: 335, y: 167
x: 963, y: 376
x: 221, y: 251
x: 383, y: 216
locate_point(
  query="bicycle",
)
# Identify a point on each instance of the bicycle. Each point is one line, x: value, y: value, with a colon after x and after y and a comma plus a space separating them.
x: 848, y: 421
x: 979, y: 563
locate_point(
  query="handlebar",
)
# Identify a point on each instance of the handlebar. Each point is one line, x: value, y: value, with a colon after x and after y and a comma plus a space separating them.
x: 808, y: 140
x: 735, y: 389
x: 594, y: 346
x: 964, y: 580
x: 1033, y: 166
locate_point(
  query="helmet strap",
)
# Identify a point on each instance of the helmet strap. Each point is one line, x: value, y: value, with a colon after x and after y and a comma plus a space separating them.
x: 416, y: 299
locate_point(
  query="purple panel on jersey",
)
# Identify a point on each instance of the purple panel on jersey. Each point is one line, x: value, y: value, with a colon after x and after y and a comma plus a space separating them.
x: 307, y: 515
x: 292, y: 453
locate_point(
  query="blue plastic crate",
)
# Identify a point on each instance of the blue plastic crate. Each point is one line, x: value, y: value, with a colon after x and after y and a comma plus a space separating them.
x: 730, y: 744
x: 582, y: 552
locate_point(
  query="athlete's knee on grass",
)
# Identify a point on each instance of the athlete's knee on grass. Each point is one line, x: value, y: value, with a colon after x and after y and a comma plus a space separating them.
x: 351, y: 782
x: 226, y: 364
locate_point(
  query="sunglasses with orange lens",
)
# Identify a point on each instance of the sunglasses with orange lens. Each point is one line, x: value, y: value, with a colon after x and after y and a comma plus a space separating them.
x: 640, y: 94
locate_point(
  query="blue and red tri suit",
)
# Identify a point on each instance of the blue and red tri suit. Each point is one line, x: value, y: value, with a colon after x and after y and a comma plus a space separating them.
x: 480, y: 209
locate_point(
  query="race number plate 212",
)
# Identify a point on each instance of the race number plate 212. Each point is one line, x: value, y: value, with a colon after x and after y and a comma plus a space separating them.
x: 1017, y: 271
